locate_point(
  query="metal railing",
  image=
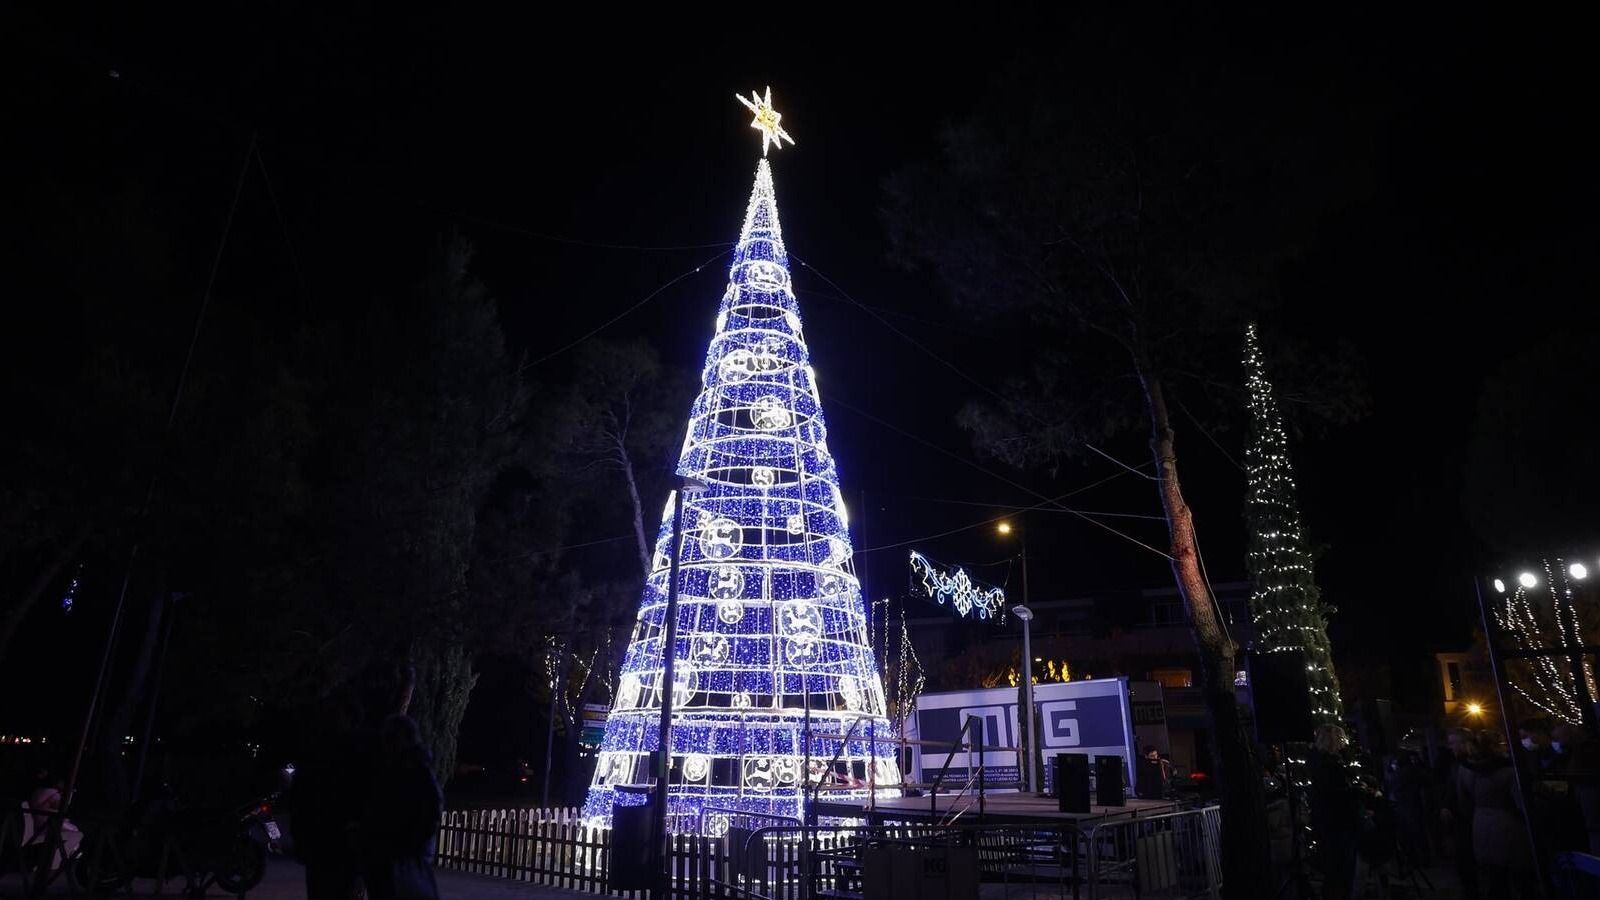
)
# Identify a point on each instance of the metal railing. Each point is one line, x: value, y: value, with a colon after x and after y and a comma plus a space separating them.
x: 1577, y: 876
x: 1164, y: 855
x: 1169, y: 855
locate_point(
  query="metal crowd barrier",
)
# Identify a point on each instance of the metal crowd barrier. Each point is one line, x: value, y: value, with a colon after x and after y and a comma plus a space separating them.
x: 1577, y: 876
x: 1165, y: 855
x: 1170, y: 855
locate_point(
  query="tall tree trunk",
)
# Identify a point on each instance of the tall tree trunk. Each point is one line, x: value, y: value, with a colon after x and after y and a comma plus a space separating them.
x: 19, y: 608
x: 1245, y: 847
x: 120, y: 723
x: 445, y: 678
x: 638, y: 508
x: 577, y: 781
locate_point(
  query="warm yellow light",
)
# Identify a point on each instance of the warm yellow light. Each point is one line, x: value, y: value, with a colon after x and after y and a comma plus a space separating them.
x: 766, y: 120
x: 1003, y: 528
x: 1474, y: 709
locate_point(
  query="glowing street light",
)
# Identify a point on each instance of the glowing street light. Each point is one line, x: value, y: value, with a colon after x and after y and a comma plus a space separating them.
x: 1474, y: 709
x: 1028, y: 720
x: 1527, y: 580
x: 1578, y: 571
x: 1026, y: 615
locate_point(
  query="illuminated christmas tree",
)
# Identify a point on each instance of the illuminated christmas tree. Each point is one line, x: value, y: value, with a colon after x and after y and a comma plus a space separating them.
x: 1284, y: 600
x: 771, y: 625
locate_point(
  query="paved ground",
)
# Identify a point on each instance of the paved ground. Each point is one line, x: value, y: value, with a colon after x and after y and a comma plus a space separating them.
x: 286, y: 881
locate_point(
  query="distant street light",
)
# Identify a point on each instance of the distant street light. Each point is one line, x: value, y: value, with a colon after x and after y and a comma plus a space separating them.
x: 1474, y: 709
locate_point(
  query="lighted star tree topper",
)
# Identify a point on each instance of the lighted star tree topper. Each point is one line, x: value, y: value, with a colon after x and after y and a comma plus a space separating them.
x: 772, y: 627
x: 766, y: 121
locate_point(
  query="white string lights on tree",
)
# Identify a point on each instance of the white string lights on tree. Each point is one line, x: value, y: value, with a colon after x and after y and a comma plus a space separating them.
x: 772, y: 626
x: 1284, y: 600
x: 910, y: 678
x: 957, y: 589
x: 1541, y: 614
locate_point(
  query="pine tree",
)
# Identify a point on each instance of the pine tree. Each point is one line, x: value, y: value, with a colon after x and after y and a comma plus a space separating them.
x: 772, y: 630
x: 1284, y: 600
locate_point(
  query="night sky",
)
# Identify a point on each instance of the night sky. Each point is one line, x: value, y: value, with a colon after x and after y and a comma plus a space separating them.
x: 592, y: 162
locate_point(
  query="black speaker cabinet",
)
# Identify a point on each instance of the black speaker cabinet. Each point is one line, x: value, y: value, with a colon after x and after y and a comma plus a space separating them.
x: 1072, y: 782
x: 1281, y: 697
x: 1108, y: 780
x: 632, y: 862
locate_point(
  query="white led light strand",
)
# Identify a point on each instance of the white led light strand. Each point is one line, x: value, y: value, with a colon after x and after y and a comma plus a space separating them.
x: 1551, y: 623
x: 772, y: 625
x: 1284, y: 599
x: 956, y: 588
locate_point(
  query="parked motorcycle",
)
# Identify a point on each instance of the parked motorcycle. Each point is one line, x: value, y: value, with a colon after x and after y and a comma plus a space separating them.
x: 163, y: 841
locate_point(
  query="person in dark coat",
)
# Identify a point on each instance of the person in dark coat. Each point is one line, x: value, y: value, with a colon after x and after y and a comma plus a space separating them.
x: 1405, y: 783
x: 331, y: 785
x: 324, y: 800
x: 1583, y: 773
x: 401, y: 821
x: 1335, y: 812
x: 1457, y: 821
x: 1486, y: 791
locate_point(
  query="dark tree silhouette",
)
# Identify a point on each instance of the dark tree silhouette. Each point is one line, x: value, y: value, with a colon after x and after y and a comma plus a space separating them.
x: 1117, y: 216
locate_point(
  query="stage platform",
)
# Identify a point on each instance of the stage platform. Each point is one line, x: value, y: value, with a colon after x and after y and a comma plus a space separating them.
x: 998, y: 808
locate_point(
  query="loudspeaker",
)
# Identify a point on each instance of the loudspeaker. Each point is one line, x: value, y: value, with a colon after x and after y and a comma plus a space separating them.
x: 1072, y: 782
x: 1280, y: 697
x: 1108, y: 780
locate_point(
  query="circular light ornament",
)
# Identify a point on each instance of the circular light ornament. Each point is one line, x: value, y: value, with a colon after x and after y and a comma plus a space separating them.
x: 1527, y: 580
x: 1578, y: 571
x: 1499, y: 586
x: 727, y: 583
x: 730, y: 612
x: 721, y: 539
x: 696, y: 766
x: 769, y: 414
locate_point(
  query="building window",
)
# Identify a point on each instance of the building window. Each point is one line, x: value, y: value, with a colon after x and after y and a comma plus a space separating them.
x: 1172, y: 678
x: 1453, y: 673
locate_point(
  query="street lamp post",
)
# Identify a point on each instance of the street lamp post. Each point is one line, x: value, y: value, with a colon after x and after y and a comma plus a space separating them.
x: 669, y: 650
x: 1026, y: 615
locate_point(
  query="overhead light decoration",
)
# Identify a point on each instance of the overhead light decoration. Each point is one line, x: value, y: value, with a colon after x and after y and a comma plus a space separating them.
x: 955, y: 588
x: 772, y: 633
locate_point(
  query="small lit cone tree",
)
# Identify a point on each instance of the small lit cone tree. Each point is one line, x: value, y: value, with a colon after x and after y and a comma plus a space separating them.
x: 1284, y: 600
x: 772, y: 629
x: 1541, y: 614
